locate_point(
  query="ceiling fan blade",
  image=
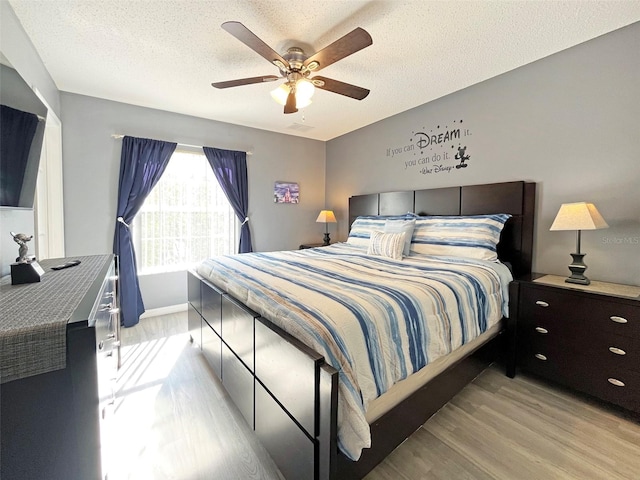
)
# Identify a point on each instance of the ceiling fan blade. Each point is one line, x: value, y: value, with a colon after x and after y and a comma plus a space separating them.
x: 290, y: 106
x: 342, y: 88
x: 343, y: 47
x: 247, y: 37
x: 245, y: 81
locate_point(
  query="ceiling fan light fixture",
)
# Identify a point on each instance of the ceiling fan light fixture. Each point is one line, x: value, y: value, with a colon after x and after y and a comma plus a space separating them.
x: 303, y: 92
x: 303, y: 102
x: 304, y: 89
x: 280, y: 94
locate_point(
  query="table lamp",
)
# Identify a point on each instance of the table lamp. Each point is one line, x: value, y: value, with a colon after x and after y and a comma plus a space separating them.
x: 578, y: 216
x: 326, y: 217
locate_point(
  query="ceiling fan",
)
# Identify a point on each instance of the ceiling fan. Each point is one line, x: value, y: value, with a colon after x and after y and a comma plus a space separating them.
x: 296, y: 67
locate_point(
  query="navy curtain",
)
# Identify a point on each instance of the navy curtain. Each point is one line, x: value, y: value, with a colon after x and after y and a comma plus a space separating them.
x: 230, y: 168
x: 142, y: 163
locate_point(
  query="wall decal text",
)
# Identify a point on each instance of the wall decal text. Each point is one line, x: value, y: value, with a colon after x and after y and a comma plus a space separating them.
x: 442, y: 149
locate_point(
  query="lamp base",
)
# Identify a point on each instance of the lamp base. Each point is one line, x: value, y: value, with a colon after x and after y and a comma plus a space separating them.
x: 578, y: 268
x: 327, y: 240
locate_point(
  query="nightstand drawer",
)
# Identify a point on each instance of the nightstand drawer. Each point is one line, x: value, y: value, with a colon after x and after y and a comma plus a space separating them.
x: 614, y: 351
x: 614, y: 317
x: 553, y: 363
x: 621, y: 388
x: 551, y: 329
x: 567, y: 312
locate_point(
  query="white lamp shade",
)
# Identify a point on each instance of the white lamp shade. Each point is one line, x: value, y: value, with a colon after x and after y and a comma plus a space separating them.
x: 302, y: 102
x: 578, y: 216
x: 304, y: 90
x: 280, y: 94
x: 326, y: 216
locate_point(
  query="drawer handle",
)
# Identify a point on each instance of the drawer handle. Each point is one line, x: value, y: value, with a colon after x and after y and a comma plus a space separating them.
x: 540, y: 356
x: 104, y: 307
x: 541, y: 330
x: 616, y: 382
x: 114, y: 311
x: 617, y: 351
x: 540, y: 303
x: 101, y: 345
x: 617, y: 319
x: 113, y: 335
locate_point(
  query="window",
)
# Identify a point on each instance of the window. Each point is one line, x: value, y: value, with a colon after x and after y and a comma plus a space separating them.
x: 185, y: 219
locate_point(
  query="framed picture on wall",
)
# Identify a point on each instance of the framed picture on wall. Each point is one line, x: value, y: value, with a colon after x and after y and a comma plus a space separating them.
x: 286, y: 192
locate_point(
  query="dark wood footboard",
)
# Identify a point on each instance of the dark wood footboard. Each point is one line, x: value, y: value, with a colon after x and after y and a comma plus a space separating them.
x: 284, y: 390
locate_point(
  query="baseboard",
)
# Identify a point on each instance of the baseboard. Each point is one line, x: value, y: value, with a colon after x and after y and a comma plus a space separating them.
x: 156, y: 312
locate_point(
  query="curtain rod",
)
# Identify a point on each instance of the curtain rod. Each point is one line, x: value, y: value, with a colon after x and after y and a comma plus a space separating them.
x: 118, y: 136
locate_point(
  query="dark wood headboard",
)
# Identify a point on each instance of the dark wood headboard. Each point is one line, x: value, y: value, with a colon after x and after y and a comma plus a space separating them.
x: 515, y: 198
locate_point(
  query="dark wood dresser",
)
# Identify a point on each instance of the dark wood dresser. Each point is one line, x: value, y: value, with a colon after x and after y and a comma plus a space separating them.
x: 584, y: 337
x: 60, y: 351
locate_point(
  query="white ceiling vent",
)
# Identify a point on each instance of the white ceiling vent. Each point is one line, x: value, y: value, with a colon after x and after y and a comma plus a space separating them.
x: 300, y: 127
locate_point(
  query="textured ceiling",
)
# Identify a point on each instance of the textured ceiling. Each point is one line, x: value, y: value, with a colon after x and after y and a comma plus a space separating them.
x: 164, y: 54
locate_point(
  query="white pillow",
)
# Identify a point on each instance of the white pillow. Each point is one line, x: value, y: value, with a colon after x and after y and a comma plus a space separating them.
x: 399, y: 226
x: 386, y: 244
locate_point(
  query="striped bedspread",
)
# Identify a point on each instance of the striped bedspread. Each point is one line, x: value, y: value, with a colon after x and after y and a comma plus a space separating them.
x: 375, y: 319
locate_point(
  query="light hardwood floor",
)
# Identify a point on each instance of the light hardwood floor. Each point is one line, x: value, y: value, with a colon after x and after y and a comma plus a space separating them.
x: 173, y: 420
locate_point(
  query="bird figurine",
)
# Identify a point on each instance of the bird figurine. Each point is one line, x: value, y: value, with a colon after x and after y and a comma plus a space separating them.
x: 22, y: 239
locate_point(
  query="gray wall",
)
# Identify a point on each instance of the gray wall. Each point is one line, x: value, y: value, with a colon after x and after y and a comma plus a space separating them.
x: 568, y: 122
x: 16, y: 47
x: 91, y: 169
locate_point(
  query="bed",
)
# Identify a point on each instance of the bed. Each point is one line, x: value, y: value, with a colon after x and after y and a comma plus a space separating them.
x: 254, y: 327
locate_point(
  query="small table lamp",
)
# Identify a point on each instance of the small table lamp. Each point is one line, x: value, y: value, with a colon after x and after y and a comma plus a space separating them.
x: 326, y: 217
x: 578, y: 216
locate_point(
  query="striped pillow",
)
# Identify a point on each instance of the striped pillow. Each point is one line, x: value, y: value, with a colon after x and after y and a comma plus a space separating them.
x: 365, y: 224
x: 387, y: 244
x: 473, y: 236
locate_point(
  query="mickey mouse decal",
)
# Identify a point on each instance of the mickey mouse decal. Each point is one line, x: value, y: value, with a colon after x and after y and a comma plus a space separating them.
x: 462, y: 157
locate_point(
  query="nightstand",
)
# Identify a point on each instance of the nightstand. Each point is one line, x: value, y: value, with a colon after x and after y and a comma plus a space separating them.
x: 586, y: 337
x: 311, y: 245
